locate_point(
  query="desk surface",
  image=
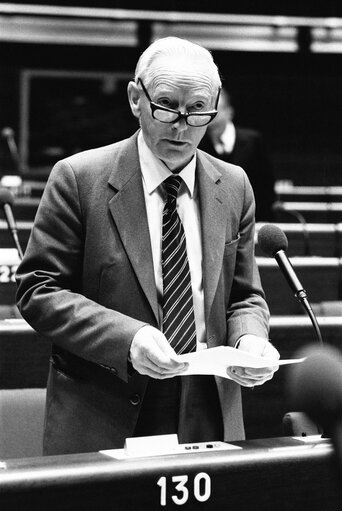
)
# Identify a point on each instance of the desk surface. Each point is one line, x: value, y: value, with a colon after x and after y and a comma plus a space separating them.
x: 279, y: 473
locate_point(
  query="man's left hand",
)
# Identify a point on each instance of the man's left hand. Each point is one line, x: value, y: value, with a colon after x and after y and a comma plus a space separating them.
x: 249, y: 376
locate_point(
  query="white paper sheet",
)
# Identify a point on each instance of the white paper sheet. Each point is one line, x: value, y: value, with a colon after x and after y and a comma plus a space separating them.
x: 216, y: 360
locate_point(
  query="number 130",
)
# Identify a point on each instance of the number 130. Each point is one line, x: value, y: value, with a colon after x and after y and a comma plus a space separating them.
x: 201, y: 488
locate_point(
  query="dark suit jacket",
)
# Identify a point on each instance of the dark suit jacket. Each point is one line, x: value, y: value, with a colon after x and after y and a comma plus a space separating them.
x: 87, y: 284
x: 249, y: 152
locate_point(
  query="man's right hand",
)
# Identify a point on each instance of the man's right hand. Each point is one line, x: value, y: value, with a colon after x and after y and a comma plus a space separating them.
x: 151, y: 354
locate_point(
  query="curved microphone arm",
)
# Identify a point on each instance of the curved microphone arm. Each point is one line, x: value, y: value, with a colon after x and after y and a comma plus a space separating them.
x: 273, y: 242
x: 312, y: 316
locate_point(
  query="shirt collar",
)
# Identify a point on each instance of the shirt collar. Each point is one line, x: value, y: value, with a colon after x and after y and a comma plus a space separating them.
x: 154, y: 171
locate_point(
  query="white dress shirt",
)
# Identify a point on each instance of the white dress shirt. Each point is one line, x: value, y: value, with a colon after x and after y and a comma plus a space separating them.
x: 154, y: 172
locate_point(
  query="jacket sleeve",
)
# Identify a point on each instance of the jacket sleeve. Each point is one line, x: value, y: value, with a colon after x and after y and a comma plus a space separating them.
x: 49, y: 281
x: 247, y: 311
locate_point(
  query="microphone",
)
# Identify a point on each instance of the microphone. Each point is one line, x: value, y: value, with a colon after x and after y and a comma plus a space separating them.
x: 8, y: 134
x: 315, y: 387
x: 273, y: 242
x: 6, y: 202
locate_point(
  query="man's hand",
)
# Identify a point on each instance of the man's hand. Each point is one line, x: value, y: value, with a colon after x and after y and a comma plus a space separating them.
x: 151, y: 354
x: 248, y: 376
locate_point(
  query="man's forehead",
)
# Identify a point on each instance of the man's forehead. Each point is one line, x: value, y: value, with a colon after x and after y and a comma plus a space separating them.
x: 185, y: 67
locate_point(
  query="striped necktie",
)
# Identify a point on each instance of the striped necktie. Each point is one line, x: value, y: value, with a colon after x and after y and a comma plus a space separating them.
x: 178, y: 309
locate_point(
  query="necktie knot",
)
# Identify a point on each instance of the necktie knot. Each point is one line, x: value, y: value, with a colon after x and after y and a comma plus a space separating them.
x: 172, y: 185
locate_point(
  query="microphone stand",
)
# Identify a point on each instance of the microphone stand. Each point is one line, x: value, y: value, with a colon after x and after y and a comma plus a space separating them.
x: 13, y: 229
x: 305, y: 302
x: 17, y: 244
x: 291, y: 277
x: 8, y: 134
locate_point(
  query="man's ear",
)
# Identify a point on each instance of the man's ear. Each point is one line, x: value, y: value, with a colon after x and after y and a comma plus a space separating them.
x: 134, y: 98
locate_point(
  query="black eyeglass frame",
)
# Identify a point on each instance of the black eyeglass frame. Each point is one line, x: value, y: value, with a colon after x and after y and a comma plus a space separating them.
x: 155, y: 106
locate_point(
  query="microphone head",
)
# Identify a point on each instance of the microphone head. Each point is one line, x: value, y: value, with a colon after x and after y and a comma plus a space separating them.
x: 277, y: 206
x: 7, y: 132
x: 6, y: 197
x: 315, y: 385
x: 271, y: 239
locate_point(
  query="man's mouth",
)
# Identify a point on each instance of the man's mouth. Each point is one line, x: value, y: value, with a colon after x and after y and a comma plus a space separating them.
x: 176, y: 142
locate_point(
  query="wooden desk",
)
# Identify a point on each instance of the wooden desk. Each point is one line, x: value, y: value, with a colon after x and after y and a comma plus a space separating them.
x: 279, y: 474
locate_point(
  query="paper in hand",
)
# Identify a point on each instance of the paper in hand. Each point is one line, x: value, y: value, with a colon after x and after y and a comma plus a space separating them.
x: 216, y: 360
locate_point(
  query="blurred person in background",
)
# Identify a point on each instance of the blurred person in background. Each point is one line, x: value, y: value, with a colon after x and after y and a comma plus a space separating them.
x: 244, y: 147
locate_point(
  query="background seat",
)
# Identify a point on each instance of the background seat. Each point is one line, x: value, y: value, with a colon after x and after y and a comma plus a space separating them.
x: 21, y: 422
x: 299, y: 424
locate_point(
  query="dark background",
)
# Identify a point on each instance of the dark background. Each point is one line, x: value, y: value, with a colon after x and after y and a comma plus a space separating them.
x: 295, y: 99
x: 286, y: 7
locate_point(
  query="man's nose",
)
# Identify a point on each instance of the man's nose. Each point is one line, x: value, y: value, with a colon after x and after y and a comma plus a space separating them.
x: 180, y: 125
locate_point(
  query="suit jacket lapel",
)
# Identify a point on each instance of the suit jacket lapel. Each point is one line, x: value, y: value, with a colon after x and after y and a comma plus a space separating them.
x: 214, y: 213
x: 128, y: 209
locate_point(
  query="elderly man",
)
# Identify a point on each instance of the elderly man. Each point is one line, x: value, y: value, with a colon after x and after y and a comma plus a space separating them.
x: 140, y: 251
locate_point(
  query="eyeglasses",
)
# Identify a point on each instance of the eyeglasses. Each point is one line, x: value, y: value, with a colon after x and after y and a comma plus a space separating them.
x: 167, y: 115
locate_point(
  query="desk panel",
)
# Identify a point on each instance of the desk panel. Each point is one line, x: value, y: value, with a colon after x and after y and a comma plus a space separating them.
x: 271, y: 474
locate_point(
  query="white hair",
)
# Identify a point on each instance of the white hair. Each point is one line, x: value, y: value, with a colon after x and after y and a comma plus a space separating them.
x: 174, y: 47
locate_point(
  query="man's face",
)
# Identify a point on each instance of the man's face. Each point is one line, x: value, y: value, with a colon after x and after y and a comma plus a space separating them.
x: 180, y: 84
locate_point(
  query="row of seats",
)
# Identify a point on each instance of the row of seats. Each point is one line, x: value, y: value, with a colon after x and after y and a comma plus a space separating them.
x: 320, y: 276
x: 323, y: 240
x: 318, y: 212
x: 312, y: 239
x: 320, y: 273
x: 24, y: 358
x: 24, y: 355
x: 316, y: 204
x: 288, y: 192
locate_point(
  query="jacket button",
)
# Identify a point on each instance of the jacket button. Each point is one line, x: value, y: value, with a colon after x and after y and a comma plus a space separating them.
x: 135, y: 399
x: 113, y: 370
